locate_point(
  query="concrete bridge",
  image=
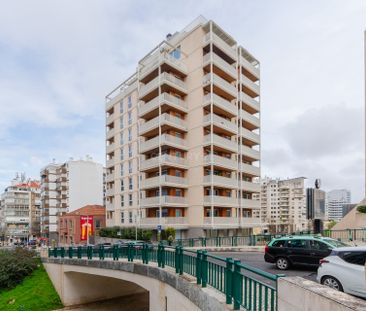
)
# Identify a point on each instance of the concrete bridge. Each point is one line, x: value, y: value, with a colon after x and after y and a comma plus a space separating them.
x: 179, y: 279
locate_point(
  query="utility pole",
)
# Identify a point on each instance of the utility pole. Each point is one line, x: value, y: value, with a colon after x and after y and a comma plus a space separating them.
x: 365, y: 103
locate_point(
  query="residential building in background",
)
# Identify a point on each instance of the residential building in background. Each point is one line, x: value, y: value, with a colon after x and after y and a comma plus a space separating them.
x: 67, y: 186
x: 283, y: 204
x: 182, y: 137
x: 20, y: 211
x: 315, y: 207
x: 77, y: 225
x: 337, y: 200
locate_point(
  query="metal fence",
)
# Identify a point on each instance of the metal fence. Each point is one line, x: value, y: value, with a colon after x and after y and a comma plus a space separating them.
x: 244, y: 286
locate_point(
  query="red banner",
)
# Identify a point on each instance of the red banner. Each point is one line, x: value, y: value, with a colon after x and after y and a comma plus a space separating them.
x: 86, y: 227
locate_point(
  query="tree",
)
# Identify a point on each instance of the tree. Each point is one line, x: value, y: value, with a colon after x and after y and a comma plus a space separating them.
x: 361, y: 209
x: 331, y: 224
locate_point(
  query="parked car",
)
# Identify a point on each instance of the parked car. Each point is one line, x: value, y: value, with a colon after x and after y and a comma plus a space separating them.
x: 299, y: 250
x: 344, y: 270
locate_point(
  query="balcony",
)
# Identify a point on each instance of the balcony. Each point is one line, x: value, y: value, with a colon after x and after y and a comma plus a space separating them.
x: 220, y: 63
x: 250, y: 169
x: 109, y: 177
x: 249, y: 222
x: 110, y: 163
x: 222, y: 142
x: 165, y: 159
x: 221, y: 122
x: 175, y: 222
x: 165, y: 200
x: 110, y: 133
x: 251, y: 204
x: 252, y: 104
x: 220, y: 161
x: 165, y: 119
x: 109, y: 206
x: 220, y: 83
x: 218, y: 200
x: 250, y: 153
x: 248, y: 66
x: 165, y: 180
x: 221, y: 103
x: 253, y: 120
x: 221, y: 222
x: 254, y: 138
x: 157, y: 59
x: 250, y: 84
x: 221, y: 44
x: 250, y: 186
x: 164, y: 98
x: 221, y: 181
x: 110, y: 118
x: 165, y: 139
x: 110, y: 148
x: 164, y: 78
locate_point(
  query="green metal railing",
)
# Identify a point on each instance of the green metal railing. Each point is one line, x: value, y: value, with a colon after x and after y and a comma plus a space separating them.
x: 244, y: 286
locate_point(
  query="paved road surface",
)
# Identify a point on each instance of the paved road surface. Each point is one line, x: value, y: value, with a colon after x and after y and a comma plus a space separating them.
x: 256, y: 260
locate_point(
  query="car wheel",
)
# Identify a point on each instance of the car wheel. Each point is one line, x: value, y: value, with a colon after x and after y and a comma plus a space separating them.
x: 282, y: 263
x: 332, y: 283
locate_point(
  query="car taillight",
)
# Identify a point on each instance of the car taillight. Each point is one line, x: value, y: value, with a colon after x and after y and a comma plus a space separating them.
x: 266, y: 248
x: 321, y: 261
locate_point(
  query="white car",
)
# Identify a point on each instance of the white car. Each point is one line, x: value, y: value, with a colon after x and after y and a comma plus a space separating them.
x: 344, y: 270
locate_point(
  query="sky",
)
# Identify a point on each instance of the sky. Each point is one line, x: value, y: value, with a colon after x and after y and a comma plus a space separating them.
x: 58, y: 60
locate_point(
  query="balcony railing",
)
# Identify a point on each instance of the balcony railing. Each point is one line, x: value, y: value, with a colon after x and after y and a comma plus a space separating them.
x: 110, y: 148
x: 109, y: 177
x: 221, y: 103
x: 221, y: 83
x: 220, y: 161
x: 171, y: 221
x: 164, y: 98
x: 251, y: 102
x: 221, y: 44
x: 250, y: 169
x: 250, y: 152
x: 221, y: 122
x: 110, y: 133
x: 220, y: 200
x: 221, y: 142
x: 165, y: 180
x: 248, y: 66
x: 166, y: 139
x: 249, y: 203
x: 250, y: 118
x: 250, y: 186
x: 164, y: 119
x: 250, y: 84
x: 110, y: 162
x: 110, y: 118
x: 221, y: 63
x: 166, y: 200
x: 221, y: 181
x: 164, y: 159
x: 248, y: 222
x: 221, y: 221
x: 253, y: 137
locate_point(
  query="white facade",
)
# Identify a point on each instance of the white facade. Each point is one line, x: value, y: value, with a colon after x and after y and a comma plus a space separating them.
x: 283, y: 204
x: 336, y: 199
x: 67, y: 187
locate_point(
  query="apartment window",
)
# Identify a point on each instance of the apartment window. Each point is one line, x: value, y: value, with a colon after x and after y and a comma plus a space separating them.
x: 122, y: 185
x: 129, y: 134
x: 121, y: 122
x: 122, y: 217
x: 164, y: 192
x: 178, y: 173
x: 130, y: 150
x: 130, y: 167
x: 176, y: 53
x: 129, y: 117
x: 122, y: 201
x: 130, y: 201
x: 178, y: 193
x: 178, y: 154
x: 178, y: 213
x: 122, y: 169
x: 121, y: 138
x: 164, y: 171
x: 121, y: 107
x: 129, y: 99
x: 164, y: 212
x: 130, y: 217
x: 121, y: 154
x: 130, y: 183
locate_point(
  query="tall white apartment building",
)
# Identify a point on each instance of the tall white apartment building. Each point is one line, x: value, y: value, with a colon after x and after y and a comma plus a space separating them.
x: 20, y: 211
x: 283, y: 204
x: 66, y: 187
x: 336, y: 200
x: 182, y: 137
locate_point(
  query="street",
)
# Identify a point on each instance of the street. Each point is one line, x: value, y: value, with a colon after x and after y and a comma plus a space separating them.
x: 256, y: 259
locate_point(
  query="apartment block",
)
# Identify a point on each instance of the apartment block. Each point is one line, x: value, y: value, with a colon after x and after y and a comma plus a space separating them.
x: 337, y: 200
x: 183, y: 137
x: 20, y: 211
x: 67, y: 187
x: 283, y: 204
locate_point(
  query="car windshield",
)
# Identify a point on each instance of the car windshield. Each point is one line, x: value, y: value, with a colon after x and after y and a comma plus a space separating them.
x: 335, y: 243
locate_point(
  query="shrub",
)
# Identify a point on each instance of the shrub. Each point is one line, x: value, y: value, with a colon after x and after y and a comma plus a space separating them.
x: 15, y: 265
x: 361, y: 209
x: 165, y: 234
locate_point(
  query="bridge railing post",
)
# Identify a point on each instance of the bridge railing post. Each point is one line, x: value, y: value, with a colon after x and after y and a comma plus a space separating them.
x: 101, y: 252
x: 49, y: 252
x: 62, y: 251
x: 204, y: 269
x: 238, y: 286
x: 71, y: 251
x: 176, y: 257
x: 79, y: 252
x: 89, y: 251
x: 54, y: 252
x: 163, y: 256
x: 181, y: 260
x: 228, y: 280
x: 198, y: 267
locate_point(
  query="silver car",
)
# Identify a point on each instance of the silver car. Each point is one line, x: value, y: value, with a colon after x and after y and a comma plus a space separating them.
x: 344, y: 270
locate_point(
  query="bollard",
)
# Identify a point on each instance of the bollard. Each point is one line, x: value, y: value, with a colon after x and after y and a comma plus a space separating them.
x: 228, y: 280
